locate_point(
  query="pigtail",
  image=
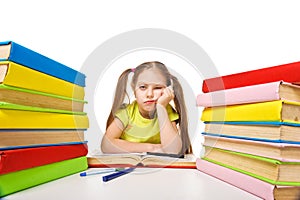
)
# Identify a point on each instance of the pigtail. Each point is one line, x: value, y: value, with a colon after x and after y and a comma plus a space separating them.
x: 183, y: 118
x: 120, y: 94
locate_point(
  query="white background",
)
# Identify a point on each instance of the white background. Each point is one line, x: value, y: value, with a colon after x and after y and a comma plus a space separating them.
x: 237, y: 35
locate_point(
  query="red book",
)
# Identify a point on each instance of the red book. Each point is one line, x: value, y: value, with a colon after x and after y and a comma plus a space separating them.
x: 19, y: 159
x: 287, y: 72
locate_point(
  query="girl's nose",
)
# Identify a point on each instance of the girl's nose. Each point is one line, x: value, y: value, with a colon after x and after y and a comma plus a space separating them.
x: 150, y: 93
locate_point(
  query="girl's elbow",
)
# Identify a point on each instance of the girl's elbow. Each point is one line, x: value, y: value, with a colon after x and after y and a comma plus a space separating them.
x: 104, y: 146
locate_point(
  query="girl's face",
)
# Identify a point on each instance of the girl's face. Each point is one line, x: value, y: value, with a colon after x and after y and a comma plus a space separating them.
x: 148, y: 89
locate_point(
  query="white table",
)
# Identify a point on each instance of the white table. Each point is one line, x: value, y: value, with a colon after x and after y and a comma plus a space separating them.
x: 152, y: 184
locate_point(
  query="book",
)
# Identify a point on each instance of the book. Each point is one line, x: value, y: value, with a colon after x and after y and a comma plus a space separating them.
x: 20, y: 138
x: 24, y: 158
x: 270, y: 170
x: 38, y: 175
x: 279, y: 151
x: 287, y: 72
x: 12, y: 106
x: 261, y: 131
x: 16, y: 75
x: 276, y: 111
x: 33, y: 98
x: 247, y: 183
x: 34, y: 119
x: 17, y: 53
x: 250, y: 94
x: 141, y: 160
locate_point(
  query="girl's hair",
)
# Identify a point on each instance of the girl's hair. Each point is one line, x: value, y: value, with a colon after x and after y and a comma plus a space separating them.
x: 179, y: 101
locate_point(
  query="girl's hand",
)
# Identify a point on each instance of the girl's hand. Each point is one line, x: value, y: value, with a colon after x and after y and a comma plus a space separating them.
x: 167, y: 95
x: 155, y: 148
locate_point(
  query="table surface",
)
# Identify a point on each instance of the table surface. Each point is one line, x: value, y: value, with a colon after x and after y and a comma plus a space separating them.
x: 142, y: 183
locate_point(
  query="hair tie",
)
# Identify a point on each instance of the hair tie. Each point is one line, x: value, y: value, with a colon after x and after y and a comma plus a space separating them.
x: 132, y: 70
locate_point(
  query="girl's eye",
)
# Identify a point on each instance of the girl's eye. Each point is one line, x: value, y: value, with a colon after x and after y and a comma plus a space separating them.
x: 142, y: 87
x: 158, y: 88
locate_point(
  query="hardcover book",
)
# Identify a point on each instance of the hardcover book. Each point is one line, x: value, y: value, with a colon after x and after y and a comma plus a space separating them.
x: 12, y: 51
x: 24, y: 158
x: 261, y: 131
x: 11, y: 106
x: 250, y: 94
x: 33, y: 98
x: 266, y: 169
x: 142, y: 160
x: 276, y: 111
x: 288, y: 72
x: 247, y: 183
x: 32, y: 119
x: 12, y: 74
x: 279, y: 151
x: 23, y: 179
x: 20, y: 138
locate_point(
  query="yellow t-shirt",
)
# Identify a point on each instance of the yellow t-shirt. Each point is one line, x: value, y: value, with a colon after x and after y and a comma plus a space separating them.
x: 140, y: 129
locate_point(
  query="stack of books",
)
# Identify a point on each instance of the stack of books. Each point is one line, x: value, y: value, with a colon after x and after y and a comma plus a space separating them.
x: 42, y: 122
x: 252, y: 126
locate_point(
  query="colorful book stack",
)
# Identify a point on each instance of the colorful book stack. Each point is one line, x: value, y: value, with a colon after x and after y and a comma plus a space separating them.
x: 252, y: 126
x: 42, y: 120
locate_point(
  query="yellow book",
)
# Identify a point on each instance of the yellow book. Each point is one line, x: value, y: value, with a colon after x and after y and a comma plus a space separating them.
x: 26, y: 119
x: 279, y: 111
x: 16, y: 75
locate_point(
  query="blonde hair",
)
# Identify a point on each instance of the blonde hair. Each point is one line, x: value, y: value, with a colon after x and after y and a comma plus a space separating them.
x: 179, y: 101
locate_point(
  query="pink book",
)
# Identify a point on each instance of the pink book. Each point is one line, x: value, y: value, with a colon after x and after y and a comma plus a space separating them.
x: 250, y: 94
x: 250, y: 184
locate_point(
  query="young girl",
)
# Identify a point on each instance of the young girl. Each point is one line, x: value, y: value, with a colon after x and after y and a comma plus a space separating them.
x: 149, y: 124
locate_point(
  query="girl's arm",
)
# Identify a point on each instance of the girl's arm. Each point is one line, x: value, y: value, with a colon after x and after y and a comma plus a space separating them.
x: 169, y: 137
x: 112, y: 144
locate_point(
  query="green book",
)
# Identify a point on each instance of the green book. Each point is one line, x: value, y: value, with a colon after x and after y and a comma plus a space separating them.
x: 270, y: 170
x: 20, y: 180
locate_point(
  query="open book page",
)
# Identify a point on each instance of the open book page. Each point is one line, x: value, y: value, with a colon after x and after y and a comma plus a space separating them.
x: 131, y: 159
x: 99, y: 159
x: 189, y: 161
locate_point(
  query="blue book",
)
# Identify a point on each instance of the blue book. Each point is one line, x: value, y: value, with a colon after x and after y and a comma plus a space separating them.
x: 11, y: 51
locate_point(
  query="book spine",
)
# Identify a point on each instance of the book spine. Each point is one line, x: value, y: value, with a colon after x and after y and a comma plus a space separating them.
x: 38, y: 175
x: 23, y: 77
x: 19, y: 119
x: 38, y: 156
x: 241, y: 145
x: 265, y: 111
x: 243, y: 95
x: 39, y: 62
x: 287, y: 72
x: 247, y: 183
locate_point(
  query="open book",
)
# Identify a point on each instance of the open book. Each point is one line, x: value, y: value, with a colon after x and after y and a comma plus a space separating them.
x: 141, y: 159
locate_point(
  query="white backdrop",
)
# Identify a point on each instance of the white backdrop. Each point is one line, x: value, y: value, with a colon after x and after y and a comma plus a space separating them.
x: 237, y: 35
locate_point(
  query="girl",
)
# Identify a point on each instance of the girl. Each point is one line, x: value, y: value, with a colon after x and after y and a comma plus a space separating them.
x: 149, y: 124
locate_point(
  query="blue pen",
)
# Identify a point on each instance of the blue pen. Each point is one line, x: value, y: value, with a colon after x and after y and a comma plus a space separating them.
x: 117, y: 174
x: 101, y: 171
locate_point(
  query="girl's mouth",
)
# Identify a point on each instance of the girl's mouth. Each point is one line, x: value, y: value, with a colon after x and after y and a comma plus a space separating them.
x: 150, y: 102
